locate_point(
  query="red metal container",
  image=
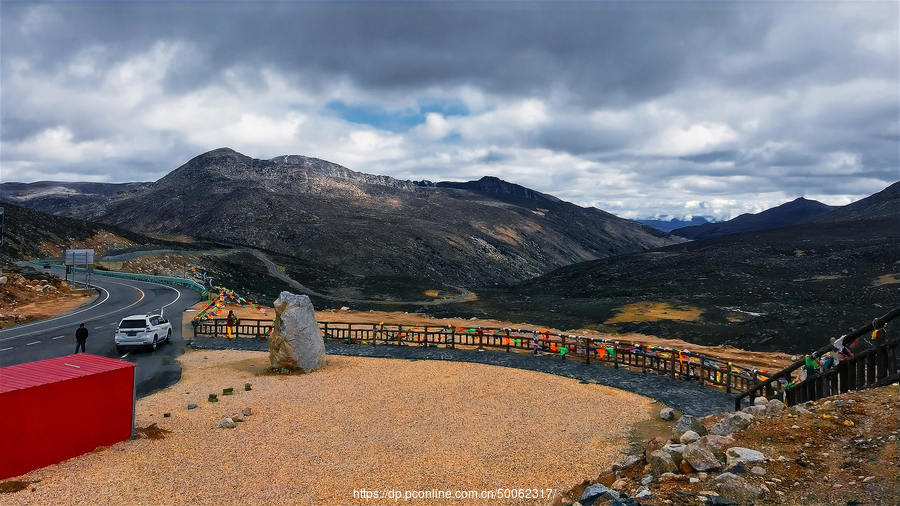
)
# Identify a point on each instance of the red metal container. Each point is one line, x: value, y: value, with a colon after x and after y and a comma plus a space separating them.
x: 55, y: 409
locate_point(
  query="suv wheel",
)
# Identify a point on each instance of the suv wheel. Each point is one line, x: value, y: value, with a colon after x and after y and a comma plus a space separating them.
x: 169, y: 335
x: 155, y: 343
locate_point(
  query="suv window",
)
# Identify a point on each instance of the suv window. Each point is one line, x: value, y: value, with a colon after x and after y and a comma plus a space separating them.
x: 133, y: 324
x: 154, y: 320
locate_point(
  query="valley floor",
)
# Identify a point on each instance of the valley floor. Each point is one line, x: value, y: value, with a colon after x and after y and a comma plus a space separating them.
x: 359, y: 423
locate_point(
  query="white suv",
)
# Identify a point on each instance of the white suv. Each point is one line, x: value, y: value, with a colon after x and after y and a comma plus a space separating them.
x: 142, y: 330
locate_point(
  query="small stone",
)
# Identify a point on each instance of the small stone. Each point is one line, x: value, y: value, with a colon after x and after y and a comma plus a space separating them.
x: 867, y: 479
x: 598, y: 491
x: 689, y: 437
x: 646, y: 480
x: 247, y: 387
x: 620, y: 484
x: 227, y: 423
x: 667, y: 414
x: 228, y: 391
x: 757, y: 470
x: 738, y: 455
x: 795, y: 426
x: 643, y: 493
x: 686, y: 423
x: 237, y: 418
x: 167, y: 415
x: 694, y: 480
x: 246, y: 411
x: 191, y: 405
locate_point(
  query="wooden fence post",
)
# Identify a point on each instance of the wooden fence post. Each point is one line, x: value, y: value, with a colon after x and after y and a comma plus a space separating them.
x: 728, y: 379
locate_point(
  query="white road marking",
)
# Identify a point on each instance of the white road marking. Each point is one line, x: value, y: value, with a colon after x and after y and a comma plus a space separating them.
x: 57, y: 337
x: 125, y: 355
x: 5, y: 349
x: 31, y: 344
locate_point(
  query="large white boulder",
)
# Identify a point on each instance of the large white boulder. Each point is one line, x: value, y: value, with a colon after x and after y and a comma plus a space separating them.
x: 296, y: 341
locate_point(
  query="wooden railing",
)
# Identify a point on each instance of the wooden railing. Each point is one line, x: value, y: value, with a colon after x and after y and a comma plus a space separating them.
x: 877, y: 366
x: 689, y: 366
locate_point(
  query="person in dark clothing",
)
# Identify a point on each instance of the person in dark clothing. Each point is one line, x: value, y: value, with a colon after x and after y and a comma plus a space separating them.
x: 81, y: 336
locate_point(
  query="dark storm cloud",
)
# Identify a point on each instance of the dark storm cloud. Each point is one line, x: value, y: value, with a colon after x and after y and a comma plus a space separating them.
x: 671, y: 103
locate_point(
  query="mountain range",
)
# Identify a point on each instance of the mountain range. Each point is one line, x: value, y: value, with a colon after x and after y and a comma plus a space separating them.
x: 789, y: 213
x: 473, y: 233
x: 673, y: 223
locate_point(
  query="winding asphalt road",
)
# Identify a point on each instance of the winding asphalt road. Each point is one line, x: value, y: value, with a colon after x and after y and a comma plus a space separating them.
x: 55, y: 336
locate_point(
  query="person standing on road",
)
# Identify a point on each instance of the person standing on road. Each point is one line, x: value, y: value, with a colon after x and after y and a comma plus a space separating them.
x: 81, y: 336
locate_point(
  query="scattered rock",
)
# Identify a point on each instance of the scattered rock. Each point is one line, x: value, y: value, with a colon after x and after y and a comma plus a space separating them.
x: 799, y: 410
x: 689, y: 437
x: 738, y: 455
x: 247, y: 387
x: 685, y: 467
x: 237, y: 417
x: 296, y: 341
x: 674, y: 450
x: 191, y: 405
x: 643, y: 493
x: 775, y: 406
x: 694, y: 480
x: 738, y: 489
x: 867, y: 479
x: 731, y: 423
x: 227, y: 423
x: 758, y: 471
x: 701, y: 458
x: 213, y: 398
x: 228, y: 391
x: 597, y: 491
x: 246, y: 411
x: 3, y: 280
x: 167, y: 415
x: 647, y: 479
x: 686, y: 423
x: 620, y: 484
x: 755, y: 410
x: 661, y: 462
x: 667, y: 414
x: 717, y: 444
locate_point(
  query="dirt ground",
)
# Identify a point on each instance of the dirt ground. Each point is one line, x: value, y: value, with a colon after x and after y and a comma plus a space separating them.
x: 23, y: 300
x: 359, y: 423
x: 654, y: 311
x: 762, y: 360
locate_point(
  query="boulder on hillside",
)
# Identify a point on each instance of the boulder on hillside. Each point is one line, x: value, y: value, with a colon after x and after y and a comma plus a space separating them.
x: 738, y: 489
x: 667, y: 414
x: 296, y: 341
x: 661, y: 462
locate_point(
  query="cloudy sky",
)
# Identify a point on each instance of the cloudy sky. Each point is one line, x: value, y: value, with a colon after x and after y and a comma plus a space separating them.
x: 642, y: 109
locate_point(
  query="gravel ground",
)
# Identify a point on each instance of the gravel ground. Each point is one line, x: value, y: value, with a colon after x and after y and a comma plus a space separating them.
x: 359, y: 423
x: 685, y: 396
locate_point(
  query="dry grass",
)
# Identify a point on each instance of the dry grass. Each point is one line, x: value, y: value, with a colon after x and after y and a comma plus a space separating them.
x: 654, y: 311
x: 358, y: 423
x: 887, y: 279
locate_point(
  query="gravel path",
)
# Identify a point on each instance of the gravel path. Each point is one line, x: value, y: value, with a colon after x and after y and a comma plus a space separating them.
x: 358, y: 423
x: 687, y: 397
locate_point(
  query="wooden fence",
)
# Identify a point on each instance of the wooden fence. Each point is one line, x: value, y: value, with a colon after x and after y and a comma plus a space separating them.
x: 703, y: 369
x: 876, y: 366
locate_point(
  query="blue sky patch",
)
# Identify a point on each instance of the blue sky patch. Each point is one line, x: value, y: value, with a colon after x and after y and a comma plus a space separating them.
x: 394, y: 121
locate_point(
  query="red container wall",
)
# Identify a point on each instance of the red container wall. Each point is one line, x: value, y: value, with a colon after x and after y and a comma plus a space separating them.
x: 50, y: 423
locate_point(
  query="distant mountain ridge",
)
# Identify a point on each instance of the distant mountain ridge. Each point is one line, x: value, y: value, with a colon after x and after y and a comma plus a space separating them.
x: 674, y: 223
x: 796, y: 211
x: 883, y: 204
x: 480, y: 232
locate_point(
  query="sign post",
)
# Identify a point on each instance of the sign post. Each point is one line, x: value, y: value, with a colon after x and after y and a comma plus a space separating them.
x: 77, y: 257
